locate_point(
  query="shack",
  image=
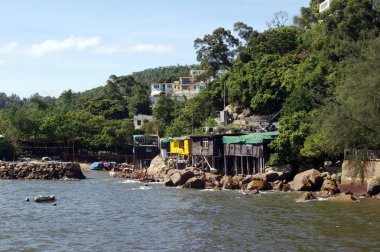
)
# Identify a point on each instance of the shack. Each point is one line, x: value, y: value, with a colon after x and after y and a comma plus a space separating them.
x: 145, y: 148
x: 180, y: 147
x: 208, y: 151
x: 246, y: 154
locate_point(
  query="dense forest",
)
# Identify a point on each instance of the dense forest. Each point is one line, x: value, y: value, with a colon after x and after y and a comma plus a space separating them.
x: 320, y: 74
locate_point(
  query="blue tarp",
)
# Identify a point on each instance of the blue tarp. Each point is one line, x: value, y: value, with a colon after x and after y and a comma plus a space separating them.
x: 97, y: 166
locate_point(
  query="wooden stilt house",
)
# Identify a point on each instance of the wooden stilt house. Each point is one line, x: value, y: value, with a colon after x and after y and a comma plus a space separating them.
x: 180, y: 147
x: 145, y: 148
x: 246, y: 154
x: 208, y: 151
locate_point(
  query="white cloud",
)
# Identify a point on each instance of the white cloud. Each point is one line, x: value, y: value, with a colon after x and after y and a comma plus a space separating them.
x: 8, y: 48
x: 139, y: 48
x: 70, y: 43
x: 110, y: 50
x: 151, y: 48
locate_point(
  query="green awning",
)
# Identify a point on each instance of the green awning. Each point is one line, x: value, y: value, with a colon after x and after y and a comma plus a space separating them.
x: 165, y: 140
x: 253, y: 138
x: 168, y: 139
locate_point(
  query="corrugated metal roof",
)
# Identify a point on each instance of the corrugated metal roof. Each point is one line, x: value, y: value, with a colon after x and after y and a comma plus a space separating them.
x: 254, y: 138
x: 168, y: 139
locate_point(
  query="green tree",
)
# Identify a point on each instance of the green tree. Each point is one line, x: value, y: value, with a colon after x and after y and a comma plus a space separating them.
x: 352, y: 118
x: 217, y: 50
x: 164, y: 110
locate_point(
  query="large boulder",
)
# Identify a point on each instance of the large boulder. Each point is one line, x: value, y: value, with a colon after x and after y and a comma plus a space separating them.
x: 373, y: 186
x: 329, y: 187
x: 259, y: 182
x: 310, y: 180
x: 195, y: 183
x: 238, y: 178
x: 157, y: 168
x: 245, y: 181
x: 277, y: 185
x: 180, y: 177
x: 272, y: 176
x: 229, y: 183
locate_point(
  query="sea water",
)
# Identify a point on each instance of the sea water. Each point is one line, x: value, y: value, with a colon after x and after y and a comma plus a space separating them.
x: 102, y: 213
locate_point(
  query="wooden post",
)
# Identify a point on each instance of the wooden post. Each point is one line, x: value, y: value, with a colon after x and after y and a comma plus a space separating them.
x: 247, y: 165
x: 225, y: 165
x: 235, y: 165
x: 242, y: 165
x: 263, y: 164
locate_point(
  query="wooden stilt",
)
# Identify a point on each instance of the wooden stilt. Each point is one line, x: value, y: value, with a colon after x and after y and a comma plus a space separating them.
x: 247, y: 158
x: 241, y: 165
x: 235, y: 165
x: 225, y: 165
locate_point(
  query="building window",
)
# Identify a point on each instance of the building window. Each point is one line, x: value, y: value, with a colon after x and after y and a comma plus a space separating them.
x: 138, y: 122
x: 169, y: 85
x: 205, y: 144
x: 181, y: 144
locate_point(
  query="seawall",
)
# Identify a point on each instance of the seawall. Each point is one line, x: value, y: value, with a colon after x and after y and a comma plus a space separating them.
x: 355, y: 175
x: 40, y: 170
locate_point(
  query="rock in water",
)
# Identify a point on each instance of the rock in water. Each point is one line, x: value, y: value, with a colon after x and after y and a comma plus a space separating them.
x: 195, y: 183
x: 310, y: 180
x: 330, y: 187
x: 306, y: 196
x: 44, y: 198
x: 373, y: 186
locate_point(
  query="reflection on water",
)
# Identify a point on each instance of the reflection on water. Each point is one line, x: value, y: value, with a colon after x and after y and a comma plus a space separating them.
x: 106, y: 214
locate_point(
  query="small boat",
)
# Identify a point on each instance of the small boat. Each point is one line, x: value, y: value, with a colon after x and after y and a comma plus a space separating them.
x: 97, y: 166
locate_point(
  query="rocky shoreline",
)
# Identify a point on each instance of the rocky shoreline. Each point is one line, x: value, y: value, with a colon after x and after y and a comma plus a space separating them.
x: 41, y: 170
x: 313, y: 182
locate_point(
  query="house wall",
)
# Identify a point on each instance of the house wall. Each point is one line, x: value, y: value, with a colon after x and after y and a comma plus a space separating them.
x: 198, y: 149
x: 249, y: 150
x: 175, y: 147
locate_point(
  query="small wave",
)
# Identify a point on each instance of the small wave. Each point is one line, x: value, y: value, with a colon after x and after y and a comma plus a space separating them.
x: 322, y: 199
x: 208, y: 190
x: 141, y: 188
x: 129, y: 181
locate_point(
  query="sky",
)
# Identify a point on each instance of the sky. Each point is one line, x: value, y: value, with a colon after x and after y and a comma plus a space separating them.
x: 49, y: 46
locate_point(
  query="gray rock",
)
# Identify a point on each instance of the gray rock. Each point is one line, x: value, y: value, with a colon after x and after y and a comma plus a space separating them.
x: 195, y: 183
x: 310, y: 180
x: 306, y: 196
x: 330, y: 187
x: 44, y: 198
x: 180, y: 178
x: 229, y: 183
x: 277, y: 185
x: 272, y: 176
x: 373, y: 186
x: 259, y: 182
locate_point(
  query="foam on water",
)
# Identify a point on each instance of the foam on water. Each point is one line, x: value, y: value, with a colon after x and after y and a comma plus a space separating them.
x: 129, y: 181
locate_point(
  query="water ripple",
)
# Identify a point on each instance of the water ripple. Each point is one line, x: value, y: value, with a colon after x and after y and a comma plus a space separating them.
x: 105, y: 214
